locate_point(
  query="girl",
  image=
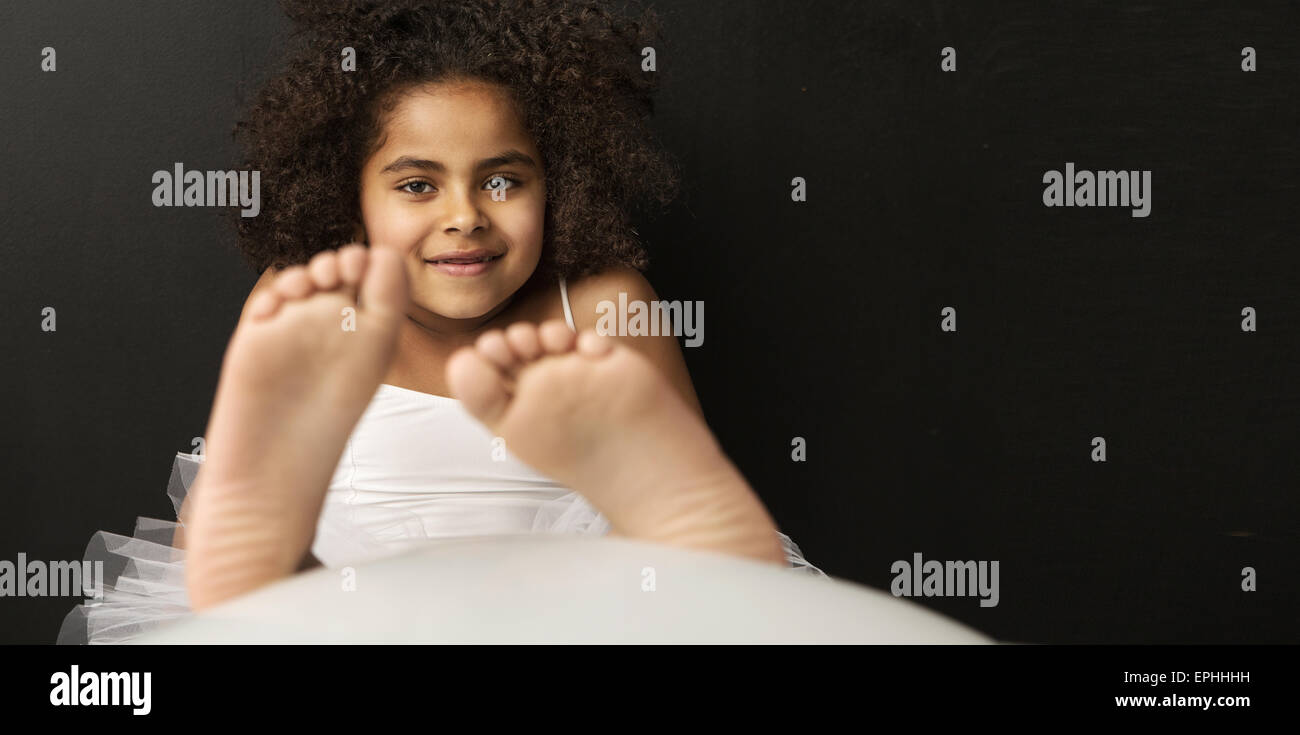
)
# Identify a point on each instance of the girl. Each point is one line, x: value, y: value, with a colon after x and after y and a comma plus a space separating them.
x: 488, y: 153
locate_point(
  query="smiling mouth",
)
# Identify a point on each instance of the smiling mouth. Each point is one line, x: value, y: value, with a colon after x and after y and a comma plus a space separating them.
x: 464, y: 266
x: 464, y: 261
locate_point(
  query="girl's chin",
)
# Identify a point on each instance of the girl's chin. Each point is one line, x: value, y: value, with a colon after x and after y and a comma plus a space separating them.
x: 455, y: 308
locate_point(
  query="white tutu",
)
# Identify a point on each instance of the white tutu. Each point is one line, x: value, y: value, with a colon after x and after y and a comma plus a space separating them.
x: 144, y: 574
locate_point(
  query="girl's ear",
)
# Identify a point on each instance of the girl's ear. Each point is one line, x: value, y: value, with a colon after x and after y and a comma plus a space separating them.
x: 359, y: 233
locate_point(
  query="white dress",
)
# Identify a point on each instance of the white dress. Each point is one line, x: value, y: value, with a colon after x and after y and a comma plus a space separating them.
x: 416, y: 468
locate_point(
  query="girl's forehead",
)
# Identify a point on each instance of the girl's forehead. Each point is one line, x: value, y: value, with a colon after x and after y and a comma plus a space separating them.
x: 486, y: 108
x: 455, y: 113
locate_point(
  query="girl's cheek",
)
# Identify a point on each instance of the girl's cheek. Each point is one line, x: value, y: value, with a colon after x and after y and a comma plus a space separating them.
x: 388, y: 225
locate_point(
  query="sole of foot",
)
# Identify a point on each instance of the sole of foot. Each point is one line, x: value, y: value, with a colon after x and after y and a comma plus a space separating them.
x: 303, y: 363
x: 598, y: 417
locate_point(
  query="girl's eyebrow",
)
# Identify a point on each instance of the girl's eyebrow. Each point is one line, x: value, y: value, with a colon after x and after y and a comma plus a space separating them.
x: 505, y: 158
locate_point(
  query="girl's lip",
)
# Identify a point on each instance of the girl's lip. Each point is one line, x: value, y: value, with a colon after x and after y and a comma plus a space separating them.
x: 463, y: 254
x: 464, y: 269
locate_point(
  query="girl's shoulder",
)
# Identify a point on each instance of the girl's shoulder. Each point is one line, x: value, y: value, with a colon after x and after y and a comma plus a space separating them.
x: 610, y: 293
x: 587, y: 292
x: 544, y: 300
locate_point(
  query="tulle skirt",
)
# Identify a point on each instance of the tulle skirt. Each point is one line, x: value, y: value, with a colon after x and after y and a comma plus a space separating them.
x: 144, y: 574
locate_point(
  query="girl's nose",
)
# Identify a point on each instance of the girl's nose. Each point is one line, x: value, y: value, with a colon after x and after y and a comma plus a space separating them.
x: 464, y: 213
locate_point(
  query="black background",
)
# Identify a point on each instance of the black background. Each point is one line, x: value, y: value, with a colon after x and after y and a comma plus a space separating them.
x: 822, y: 317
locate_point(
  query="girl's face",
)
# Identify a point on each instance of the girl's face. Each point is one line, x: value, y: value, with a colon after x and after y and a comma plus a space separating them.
x: 458, y: 177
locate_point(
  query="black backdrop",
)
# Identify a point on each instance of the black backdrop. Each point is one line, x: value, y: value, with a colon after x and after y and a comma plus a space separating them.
x: 823, y: 317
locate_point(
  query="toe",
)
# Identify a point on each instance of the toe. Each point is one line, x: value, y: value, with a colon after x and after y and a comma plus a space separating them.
x: 324, y: 270
x: 493, y: 347
x: 352, y: 264
x: 556, y: 337
x: 478, y: 384
x: 293, y: 283
x: 594, y: 345
x: 383, y: 287
x: 522, y: 337
x: 264, y: 305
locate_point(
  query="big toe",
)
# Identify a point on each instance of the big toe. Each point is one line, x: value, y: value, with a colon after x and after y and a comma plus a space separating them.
x: 478, y: 385
x: 383, y: 286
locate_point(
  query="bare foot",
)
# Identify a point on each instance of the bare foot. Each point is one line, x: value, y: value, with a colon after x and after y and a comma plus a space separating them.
x: 598, y: 417
x: 301, y: 367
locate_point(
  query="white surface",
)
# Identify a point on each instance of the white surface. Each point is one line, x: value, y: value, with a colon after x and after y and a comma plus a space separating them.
x: 563, y: 588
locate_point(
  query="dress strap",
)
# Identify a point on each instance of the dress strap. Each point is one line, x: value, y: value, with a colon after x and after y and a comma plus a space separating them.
x: 564, y: 296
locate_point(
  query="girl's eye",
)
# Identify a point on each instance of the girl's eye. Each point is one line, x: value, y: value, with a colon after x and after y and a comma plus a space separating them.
x: 499, y: 181
x: 404, y: 187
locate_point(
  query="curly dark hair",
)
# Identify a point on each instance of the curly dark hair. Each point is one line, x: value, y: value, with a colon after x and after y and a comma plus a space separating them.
x: 572, y: 67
